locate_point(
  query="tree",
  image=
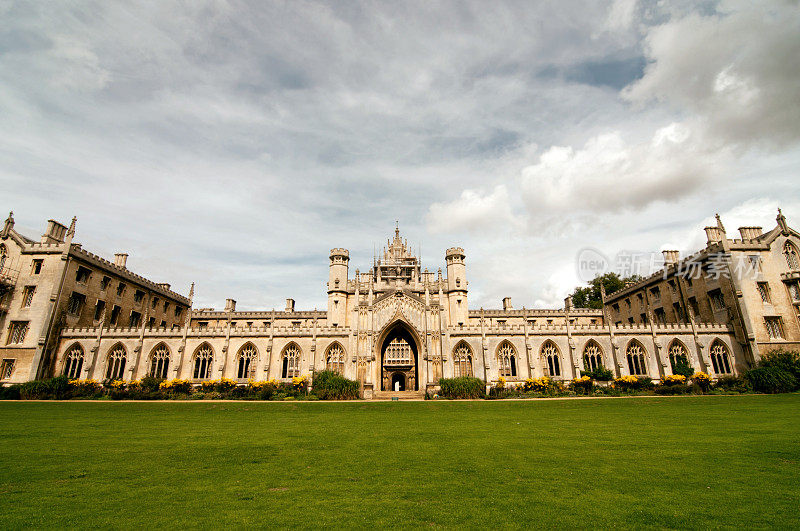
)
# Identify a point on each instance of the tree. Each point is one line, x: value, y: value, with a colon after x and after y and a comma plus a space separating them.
x: 589, y: 296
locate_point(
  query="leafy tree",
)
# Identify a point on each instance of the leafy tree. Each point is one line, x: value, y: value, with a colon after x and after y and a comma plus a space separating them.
x: 589, y: 296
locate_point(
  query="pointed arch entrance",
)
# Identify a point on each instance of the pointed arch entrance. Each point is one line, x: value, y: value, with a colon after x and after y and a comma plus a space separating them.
x: 399, y: 355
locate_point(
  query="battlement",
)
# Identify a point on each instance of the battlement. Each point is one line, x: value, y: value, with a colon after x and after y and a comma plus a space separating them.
x: 454, y: 251
x: 338, y: 251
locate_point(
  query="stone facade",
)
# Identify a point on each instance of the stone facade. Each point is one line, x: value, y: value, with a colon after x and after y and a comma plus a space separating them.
x: 399, y: 327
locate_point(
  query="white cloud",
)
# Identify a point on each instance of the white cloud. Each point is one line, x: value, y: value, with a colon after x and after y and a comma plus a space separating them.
x: 472, y: 211
x: 736, y: 72
x: 609, y: 174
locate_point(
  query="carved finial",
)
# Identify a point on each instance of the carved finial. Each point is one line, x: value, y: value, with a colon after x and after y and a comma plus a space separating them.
x: 71, y: 229
x: 191, y: 292
x: 9, y: 223
x: 719, y: 223
x: 782, y: 222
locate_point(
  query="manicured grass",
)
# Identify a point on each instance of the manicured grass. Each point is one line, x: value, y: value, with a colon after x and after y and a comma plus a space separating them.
x: 722, y: 461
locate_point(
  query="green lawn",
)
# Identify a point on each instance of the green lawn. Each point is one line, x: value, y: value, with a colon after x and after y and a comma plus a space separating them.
x: 721, y: 461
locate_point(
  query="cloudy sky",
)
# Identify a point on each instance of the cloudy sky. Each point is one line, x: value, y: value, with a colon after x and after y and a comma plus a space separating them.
x: 233, y: 143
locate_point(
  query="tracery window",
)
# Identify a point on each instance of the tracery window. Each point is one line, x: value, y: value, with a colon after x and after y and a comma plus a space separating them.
x: 462, y: 360
x: 790, y: 252
x: 115, y: 366
x: 635, y: 355
x: 398, y: 352
x: 203, y: 359
x: 720, y: 358
x: 3, y: 255
x: 73, y: 363
x: 592, y: 356
x: 507, y: 359
x: 290, y: 362
x: 159, y: 361
x: 677, y: 354
x: 334, y: 358
x: 246, y: 362
x: 550, y: 353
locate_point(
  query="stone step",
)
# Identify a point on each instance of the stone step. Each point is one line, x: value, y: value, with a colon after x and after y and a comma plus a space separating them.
x: 401, y: 395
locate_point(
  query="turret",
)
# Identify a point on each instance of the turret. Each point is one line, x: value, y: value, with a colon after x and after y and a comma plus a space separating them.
x: 337, y: 286
x: 457, y: 285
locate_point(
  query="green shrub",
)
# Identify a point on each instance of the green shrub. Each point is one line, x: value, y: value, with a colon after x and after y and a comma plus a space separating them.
x: 682, y: 367
x: 330, y: 385
x: 600, y: 374
x: 10, y: 392
x: 732, y: 384
x: 786, y: 360
x: 53, y: 388
x: 771, y: 379
x: 462, y: 387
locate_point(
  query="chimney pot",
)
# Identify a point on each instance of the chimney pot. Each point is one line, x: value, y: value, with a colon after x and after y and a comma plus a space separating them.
x: 121, y: 260
x: 670, y: 256
x: 750, y: 233
x: 289, y: 305
x: 714, y: 235
x: 507, y: 303
x: 230, y: 305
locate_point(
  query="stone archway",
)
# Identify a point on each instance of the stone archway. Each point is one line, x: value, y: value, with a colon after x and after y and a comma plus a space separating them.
x: 399, y: 355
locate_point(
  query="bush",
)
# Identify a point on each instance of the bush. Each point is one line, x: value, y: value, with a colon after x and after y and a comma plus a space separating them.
x: 10, y: 392
x: 330, y: 385
x: 582, y: 385
x: 785, y: 360
x: 702, y: 380
x: 600, y: 374
x: 175, y: 387
x: 462, y: 387
x: 543, y: 386
x: 54, y: 388
x: 85, y: 389
x: 732, y: 384
x: 633, y: 383
x: 771, y: 379
x: 682, y: 368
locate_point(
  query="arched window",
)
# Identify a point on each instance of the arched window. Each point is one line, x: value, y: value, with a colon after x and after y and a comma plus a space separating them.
x: 720, y: 358
x: 73, y: 362
x: 462, y: 360
x: 790, y: 252
x: 678, y: 354
x: 246, y: 362
x: 290, y: 361
x: 592, y: 356
x: 507, y: 359
x: 203, y: 359
x: 3, y: 255
x: 550, y: 354
x: 159, y: 361
x: 635, y: 355
x: 115, y: 365
x: 334, y: 358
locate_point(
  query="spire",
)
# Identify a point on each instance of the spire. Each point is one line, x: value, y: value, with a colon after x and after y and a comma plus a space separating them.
x: 71, y: 230
x: 397, y: 229
x: 191, y: 293
x: 720, y: 226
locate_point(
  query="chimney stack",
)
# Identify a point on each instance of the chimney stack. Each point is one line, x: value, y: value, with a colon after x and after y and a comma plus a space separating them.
x: 670, y: 257
x: 230, y: 305
x: 714, y: 235
x: 289, y: 305
x: 120, y: 260
x: 750, y: 233
x: 507, y: 303
x: 55, y: 232
x: 568, y: 302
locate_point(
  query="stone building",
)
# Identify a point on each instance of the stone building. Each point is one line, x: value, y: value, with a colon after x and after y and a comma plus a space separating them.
x: 398, y: 328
